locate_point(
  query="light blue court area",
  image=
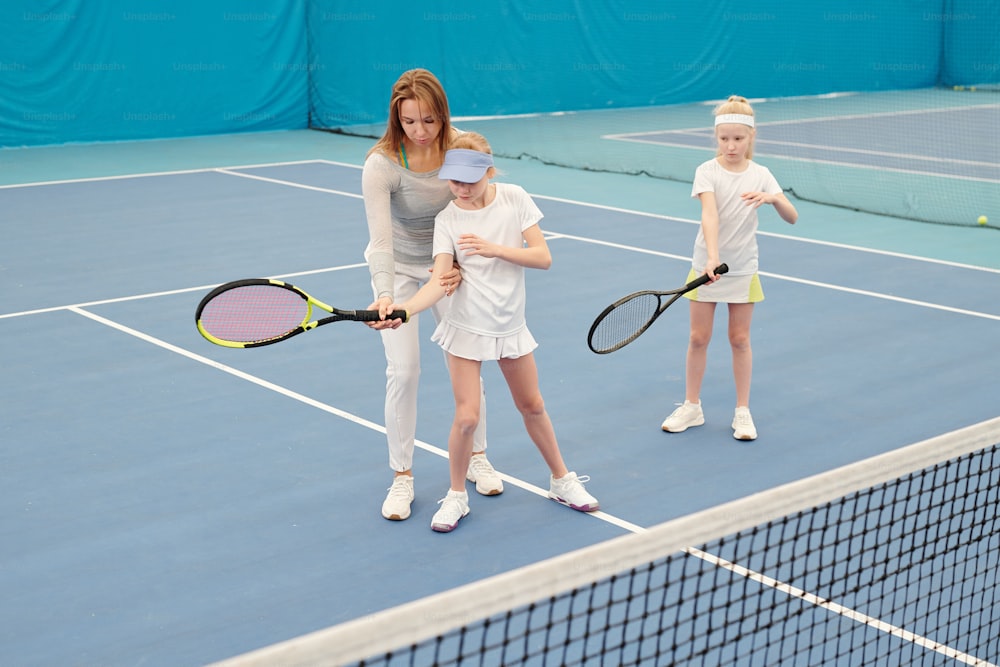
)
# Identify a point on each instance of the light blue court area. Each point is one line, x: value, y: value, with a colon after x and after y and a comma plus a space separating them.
x: 870, y: 140
x: 172, y: 502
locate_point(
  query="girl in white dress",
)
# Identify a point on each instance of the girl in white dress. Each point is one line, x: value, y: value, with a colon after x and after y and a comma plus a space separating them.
x: 492, y: 230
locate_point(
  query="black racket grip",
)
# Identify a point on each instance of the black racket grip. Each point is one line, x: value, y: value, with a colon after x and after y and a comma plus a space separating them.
x: 372, y: 315
x: 703, y: 278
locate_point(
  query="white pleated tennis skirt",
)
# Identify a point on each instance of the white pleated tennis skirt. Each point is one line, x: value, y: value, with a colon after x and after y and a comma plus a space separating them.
x: 467, y: 345
x: 728, y: 289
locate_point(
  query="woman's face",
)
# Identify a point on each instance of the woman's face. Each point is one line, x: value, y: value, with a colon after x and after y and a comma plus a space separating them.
x: 419, y: 123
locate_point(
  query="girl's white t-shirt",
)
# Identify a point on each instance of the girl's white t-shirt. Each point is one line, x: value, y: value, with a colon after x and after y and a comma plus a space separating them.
x: 491, y: 300
x: 737, y: 221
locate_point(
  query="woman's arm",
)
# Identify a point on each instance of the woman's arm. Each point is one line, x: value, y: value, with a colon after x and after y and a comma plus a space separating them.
x: 376, y: 187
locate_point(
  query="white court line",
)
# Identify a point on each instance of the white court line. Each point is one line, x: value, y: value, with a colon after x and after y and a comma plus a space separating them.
x: 886, y: 154
x: 776, y: 235
x: 292, y: 184
x: 635, y: 137
x: 841, y: 163
x: 553, y: 235
x: 230, y: 171
x: 816, y: 119
x: 177, y: 172
x: 739, y: 570
x: 184, y: 290
x: 840, y: 610
x: 763, y: 143
x: 325, y: 407
x: 802, y: 281
x: 785, y: 588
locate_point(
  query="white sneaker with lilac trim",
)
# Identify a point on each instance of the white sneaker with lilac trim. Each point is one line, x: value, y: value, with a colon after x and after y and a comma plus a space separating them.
x: 454, y: 507
x: 569, y: 491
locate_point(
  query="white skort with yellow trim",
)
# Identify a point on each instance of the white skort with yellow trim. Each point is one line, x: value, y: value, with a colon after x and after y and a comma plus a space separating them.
x: 728, y: 289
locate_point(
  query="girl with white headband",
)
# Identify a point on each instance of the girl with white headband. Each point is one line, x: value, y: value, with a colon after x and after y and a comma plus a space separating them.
x: 731, y: 188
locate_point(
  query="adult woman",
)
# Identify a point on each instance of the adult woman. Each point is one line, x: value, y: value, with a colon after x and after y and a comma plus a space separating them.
x: 402, y: 195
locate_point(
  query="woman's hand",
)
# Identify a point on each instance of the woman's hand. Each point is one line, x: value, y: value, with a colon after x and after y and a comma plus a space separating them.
x: 384, y: 306
x: 451, y: 279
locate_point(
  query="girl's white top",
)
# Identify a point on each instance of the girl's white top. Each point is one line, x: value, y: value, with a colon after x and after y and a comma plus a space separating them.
x: 737, y: 221
x: 491, y: 299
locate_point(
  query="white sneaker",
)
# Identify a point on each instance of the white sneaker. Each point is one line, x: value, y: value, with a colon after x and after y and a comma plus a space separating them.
x: 569, y: 491
x: 454, y: 507
x: 684, y: 417
x: 488, y: 482
x: 743, y: 428
x: 396, y: 506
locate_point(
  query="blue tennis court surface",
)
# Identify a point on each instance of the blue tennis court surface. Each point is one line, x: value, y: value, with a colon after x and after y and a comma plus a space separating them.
x: 167, y: 502
x: 171, y: 502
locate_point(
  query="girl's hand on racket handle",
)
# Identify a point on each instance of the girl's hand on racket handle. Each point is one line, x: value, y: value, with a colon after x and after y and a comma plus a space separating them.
x: 710, y: 268
x: 384, y: 307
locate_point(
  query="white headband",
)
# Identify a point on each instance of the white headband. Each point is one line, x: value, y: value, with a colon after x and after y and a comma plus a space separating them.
x: 734, y: 118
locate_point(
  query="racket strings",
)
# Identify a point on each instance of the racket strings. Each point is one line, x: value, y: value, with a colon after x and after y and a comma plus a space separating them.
x: 624, y: 323
x: 254, y: 313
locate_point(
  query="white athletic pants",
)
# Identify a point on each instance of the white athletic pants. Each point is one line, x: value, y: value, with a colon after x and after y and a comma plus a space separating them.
x: 402, y: 356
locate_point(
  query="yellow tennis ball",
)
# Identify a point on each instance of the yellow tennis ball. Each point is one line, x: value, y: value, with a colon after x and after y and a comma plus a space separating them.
x: 982, y: 220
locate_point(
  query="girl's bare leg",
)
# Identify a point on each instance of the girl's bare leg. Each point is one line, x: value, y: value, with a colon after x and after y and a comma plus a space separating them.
x: 702, y: 319
x: 466, y: 386
x: 522, y: 379
x: 740, y: 315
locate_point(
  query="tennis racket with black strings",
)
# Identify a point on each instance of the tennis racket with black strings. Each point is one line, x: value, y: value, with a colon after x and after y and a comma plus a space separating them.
x: 627, y: 318
x: 259, y: 311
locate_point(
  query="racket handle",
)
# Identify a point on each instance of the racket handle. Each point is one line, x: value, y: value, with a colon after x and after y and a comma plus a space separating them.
x: 703, y: 278
x: 372, y: 315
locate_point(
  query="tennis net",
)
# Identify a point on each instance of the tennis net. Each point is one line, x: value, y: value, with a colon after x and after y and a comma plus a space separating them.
x: 892, y: 560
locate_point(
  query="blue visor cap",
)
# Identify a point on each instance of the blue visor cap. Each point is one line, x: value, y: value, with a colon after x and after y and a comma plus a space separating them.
x: 465, y: 166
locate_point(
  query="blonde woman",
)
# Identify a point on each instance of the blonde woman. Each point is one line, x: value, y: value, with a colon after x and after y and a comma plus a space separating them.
x: 402, y: 195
